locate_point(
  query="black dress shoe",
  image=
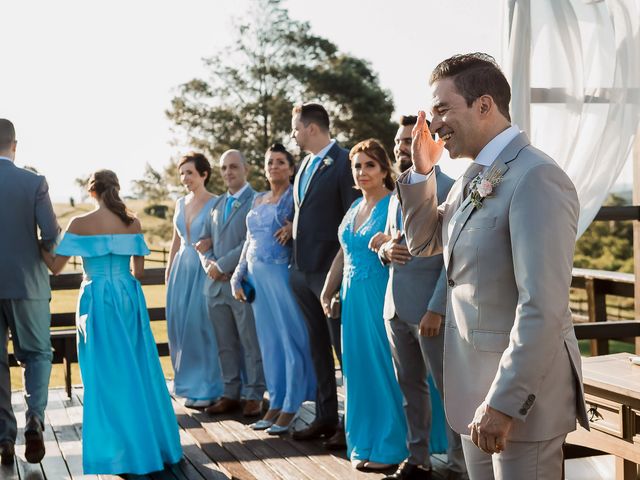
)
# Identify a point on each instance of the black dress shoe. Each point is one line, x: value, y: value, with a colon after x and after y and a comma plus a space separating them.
x: 7, y: 453
x: 411, y: 472
x: 337, y: 441
x: 34, y: 443
x: 313, y: 431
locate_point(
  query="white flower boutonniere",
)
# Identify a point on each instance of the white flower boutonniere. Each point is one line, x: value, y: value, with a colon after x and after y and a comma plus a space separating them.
x: 483, y: 186
x: 328, y: 161
x: 236, y: 204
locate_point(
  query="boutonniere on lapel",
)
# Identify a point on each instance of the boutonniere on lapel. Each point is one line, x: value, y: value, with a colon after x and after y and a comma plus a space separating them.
x: 483, y: 186
x: 236, y: 205
x: 326, y: 162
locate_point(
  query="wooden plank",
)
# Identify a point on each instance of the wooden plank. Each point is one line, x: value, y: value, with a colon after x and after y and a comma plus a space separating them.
x: 197, y: 465
x: 67, y: 434
x: 211, y: 446
x: 608, y: 330
x: 242, y: 454
x: 26, y: 471
x: 53, y: 463
x: 262, y: 449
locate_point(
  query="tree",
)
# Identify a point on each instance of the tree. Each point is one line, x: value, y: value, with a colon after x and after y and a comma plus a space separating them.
x: 607, y: 245
x: 81, y: 183
x: 156, y: 186
x: 273, y: 63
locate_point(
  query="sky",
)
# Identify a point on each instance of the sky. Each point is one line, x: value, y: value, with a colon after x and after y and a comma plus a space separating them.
x: 87, y: 83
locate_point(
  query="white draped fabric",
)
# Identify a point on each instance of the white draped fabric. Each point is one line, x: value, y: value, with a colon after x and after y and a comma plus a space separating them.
x: 574, y: 67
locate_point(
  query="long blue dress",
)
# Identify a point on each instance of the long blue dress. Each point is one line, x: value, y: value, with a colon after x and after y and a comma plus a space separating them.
x: 282, y: 332
x: 375, y: 424
x: 192, y: 339
x: 128, y: 423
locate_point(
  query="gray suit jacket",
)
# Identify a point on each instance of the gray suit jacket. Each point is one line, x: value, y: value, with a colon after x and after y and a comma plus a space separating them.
x: 24, y: 207
x: 509, y: 337
x: 227, y: 240
x: 420, y: 284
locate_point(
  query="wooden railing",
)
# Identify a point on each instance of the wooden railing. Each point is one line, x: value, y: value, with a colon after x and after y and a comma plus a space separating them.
x: 598, y: 284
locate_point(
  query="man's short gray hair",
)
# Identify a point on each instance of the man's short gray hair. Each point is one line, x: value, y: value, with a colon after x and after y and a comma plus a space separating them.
x: 237, y: 152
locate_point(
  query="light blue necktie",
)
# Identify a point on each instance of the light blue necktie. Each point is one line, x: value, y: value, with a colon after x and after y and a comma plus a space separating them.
x: 399, y: 217
x: 227, y: 207
x: 306, y: 176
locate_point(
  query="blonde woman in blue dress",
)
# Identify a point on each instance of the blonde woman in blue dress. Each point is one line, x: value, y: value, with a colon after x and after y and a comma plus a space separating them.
x: 128, y: 422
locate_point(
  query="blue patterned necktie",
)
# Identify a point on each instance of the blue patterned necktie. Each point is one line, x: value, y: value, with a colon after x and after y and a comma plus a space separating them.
x: 306, y: 176
x: 227, y: 207
x: 399, y: 217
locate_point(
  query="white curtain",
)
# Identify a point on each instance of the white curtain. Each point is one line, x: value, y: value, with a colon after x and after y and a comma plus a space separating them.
x: 574, y: 66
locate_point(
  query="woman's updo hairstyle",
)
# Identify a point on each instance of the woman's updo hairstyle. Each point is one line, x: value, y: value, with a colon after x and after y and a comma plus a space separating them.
x: 200, y: 163
x: 104, y: 183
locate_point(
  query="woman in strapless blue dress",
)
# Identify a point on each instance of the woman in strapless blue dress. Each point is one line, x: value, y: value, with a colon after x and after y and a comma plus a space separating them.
x: 282, y: 333
x: 375, y: 424
x: 192, y: 339
x: 128, y: 421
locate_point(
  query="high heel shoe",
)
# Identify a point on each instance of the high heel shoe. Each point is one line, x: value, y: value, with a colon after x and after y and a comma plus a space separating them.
x: 278, y: 429
x: 261, y: 424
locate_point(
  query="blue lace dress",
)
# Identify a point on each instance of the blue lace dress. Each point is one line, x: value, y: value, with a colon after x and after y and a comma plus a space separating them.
x: 128, y: 424
x: 282, y: 332
x: 192, y: 338
x: 375, y: 424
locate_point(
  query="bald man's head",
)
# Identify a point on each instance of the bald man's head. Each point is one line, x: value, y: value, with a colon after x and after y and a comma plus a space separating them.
x: 234, y: 170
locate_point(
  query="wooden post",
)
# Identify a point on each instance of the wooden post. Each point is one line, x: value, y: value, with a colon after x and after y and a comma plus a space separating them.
x: 636, y: 229
x: 597, y: 307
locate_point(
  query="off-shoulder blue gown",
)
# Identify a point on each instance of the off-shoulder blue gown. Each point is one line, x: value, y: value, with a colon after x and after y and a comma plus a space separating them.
x: 128, y: 421
x: 375, y: 424
x: 282, y: 332
x: 192, y: 339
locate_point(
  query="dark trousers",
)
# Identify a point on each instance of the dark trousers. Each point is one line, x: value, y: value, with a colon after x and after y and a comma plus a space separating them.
x: 323, y: 334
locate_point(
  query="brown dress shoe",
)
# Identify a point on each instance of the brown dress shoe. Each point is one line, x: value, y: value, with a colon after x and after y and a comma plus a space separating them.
x: 224, y: 405
x: 34, y: 443
x: 7, y: 453
x: 252, y: 408
x: 337, y: 441
x: 313, y: 431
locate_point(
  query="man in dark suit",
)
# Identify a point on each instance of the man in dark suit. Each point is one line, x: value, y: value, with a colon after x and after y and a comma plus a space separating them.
x: 25, y: 207
x: 323, y: 192
x: 414, y: 308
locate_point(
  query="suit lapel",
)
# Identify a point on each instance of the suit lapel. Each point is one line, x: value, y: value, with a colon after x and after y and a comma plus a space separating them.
x: 240, y: 201
x: 500, y: 167
x: 296, y: 180
x: 324, y: 166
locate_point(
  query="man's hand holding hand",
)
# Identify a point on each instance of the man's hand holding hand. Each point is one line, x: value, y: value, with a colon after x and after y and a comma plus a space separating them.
x: 489, y: 429
x: 396, y: 252
x: 430, y: 324
x: 214, y: 272
x: 284, y: 233
x: 425, y: 151
x: 203, y: 245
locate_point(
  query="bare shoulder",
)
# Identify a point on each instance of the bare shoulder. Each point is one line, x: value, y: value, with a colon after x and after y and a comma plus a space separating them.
x: 81, y: 224
x: 136, y: 226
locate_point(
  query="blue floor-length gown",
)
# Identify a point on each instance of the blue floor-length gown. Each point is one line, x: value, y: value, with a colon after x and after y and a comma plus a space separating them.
x: 375, y: 424
x: 192, y: 339
x: 281, y: 329
x: 128, y: 423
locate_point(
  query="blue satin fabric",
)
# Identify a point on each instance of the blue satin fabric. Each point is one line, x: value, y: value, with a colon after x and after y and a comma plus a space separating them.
x: 128, y: 421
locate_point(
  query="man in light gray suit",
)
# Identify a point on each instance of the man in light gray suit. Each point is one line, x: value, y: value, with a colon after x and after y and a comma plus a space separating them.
x: 25, y: 207
x: 233, y: 321
x: 414, y: 308
x: 512, y: 371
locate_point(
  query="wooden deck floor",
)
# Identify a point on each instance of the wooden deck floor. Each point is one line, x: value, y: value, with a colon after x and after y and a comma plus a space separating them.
x: 217, y: 448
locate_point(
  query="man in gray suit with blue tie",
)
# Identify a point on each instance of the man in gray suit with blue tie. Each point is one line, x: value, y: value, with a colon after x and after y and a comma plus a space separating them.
x: 232, y: 320
x: 25, y: 207
x: 414, y: 308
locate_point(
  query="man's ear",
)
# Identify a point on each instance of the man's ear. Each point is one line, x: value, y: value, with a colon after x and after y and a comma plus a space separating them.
x: 485, y: 104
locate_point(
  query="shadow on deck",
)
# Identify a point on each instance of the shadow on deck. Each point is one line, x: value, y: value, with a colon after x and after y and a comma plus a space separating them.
x: 215, y: 448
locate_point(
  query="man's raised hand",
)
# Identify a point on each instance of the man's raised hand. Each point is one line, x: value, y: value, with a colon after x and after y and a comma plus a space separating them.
x: 425, y: 151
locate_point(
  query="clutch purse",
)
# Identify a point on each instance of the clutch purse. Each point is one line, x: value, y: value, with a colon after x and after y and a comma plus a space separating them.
x: 249, y: 290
